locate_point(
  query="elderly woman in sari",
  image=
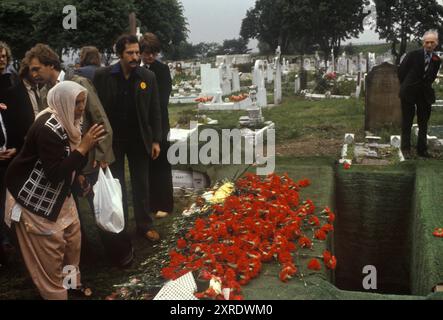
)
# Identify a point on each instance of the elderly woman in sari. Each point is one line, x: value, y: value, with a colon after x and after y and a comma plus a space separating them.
x: 39, y: 183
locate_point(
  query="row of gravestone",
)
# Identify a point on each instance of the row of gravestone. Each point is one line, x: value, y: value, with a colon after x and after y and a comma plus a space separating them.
x: 347, y: 65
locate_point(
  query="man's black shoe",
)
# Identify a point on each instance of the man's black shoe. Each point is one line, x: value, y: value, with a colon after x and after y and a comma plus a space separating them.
x: 424, y: 154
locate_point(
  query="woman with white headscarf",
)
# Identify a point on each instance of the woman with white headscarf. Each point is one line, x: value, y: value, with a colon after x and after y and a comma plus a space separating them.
x: 39, y: 182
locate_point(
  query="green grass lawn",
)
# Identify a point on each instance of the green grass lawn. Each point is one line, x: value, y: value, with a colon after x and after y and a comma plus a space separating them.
x: 298, y: 118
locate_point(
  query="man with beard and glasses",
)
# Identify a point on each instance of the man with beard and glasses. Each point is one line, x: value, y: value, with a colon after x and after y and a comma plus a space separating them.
x: 130, y: 97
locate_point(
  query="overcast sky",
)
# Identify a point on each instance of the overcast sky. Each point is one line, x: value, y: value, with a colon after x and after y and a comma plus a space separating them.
x: 217, y: 20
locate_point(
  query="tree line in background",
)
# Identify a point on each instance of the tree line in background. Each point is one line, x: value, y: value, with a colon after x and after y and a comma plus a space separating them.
x: 99, y: 23
x: 297, y: 26
x: 304, y: 26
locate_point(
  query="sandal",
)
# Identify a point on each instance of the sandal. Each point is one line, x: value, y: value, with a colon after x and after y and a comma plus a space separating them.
x: 161, y: 214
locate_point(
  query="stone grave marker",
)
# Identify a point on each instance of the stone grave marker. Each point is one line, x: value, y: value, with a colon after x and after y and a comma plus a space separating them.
x: 297, y: 84
x: 382, y: 105
x: 259, y: 77
x: 278, y: 78
x: 211, y: 80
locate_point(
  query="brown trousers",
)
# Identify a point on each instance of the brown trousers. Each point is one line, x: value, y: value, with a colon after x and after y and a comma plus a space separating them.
x: 46, y: 256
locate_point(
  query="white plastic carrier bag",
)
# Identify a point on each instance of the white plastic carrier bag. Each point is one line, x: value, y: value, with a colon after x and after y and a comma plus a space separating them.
x: 108, y: 203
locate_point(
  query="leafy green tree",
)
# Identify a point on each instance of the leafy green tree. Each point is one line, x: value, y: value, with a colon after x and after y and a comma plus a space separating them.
x: 269, y: 23
x: 235, y: 46
x: 333, y: 21
x: 16, y: 28
x: 208, y: 49
x: 99, y: 23
x: 184, y: 50
x: 302, y: 24
x: 164, y: 18
x: 400, y: 21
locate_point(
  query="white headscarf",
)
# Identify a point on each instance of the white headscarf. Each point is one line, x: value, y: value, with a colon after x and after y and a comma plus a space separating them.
x: 61, y: 103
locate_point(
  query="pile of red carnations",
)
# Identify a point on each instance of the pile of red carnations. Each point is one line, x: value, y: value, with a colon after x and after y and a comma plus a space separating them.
x: 263, y: 221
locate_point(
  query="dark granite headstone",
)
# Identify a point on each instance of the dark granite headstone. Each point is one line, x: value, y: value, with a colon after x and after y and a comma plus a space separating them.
x: 383, y: 106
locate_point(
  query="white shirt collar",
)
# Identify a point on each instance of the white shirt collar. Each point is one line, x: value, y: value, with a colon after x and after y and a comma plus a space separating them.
x: 61, y: 76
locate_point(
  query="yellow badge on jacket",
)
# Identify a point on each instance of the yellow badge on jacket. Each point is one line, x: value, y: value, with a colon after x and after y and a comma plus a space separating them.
x: 143, y: 85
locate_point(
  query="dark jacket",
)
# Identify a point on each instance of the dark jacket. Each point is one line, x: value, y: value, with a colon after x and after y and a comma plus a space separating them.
x: 8, y: 79
x: 413, y: 79
x: 19, y: 116
x: 164, y: 81
x: 147, y: 106
x: 40, y: 177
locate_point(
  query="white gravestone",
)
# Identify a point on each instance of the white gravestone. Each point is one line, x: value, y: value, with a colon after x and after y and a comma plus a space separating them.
x: 235, y: 80
x: 297, y: 85
x: 211, y: 80
x: 259, y: 81
x: 226, y: 77
x: 277, y: 82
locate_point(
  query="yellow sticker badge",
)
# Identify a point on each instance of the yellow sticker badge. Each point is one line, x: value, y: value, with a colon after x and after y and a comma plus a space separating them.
x: 143, y: 85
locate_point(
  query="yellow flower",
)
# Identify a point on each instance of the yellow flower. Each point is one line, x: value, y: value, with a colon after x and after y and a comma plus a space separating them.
x: 143, y: 85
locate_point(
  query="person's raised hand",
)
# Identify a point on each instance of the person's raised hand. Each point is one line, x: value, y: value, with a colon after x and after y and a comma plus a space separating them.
x: 91, y: 138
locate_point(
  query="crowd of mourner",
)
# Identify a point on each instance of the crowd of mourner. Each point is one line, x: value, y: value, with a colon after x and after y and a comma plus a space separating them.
x: 61, y: 127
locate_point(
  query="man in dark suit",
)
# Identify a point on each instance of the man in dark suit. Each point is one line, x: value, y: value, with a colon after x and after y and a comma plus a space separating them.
x: 24, y: 102
x: 129, y: 95
x: 162, y: 200
x: 417, y: 72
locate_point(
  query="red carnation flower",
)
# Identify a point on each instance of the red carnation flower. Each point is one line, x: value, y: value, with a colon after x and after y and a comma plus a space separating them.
x: 314, y: 264
x: 287, y: 272
x: 329, y: 260
x: 326, y: 255
x: 314, y: 221
x: 327, y: 228
x: 181, y: 243
x: 305, y: 242
x: 320, y: 235
x: 331, y: 263
x: 438, y: 233
x: 346, y: 165
x: 304, y: 183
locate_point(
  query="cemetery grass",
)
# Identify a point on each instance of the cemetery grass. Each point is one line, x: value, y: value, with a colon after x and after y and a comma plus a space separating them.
x: 303, y: 128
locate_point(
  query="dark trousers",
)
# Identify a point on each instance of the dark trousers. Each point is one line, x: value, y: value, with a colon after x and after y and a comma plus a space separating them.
x: 423, y: 115
x: 118, y: 247
x: 161, y: 181
x: 138, y: 160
